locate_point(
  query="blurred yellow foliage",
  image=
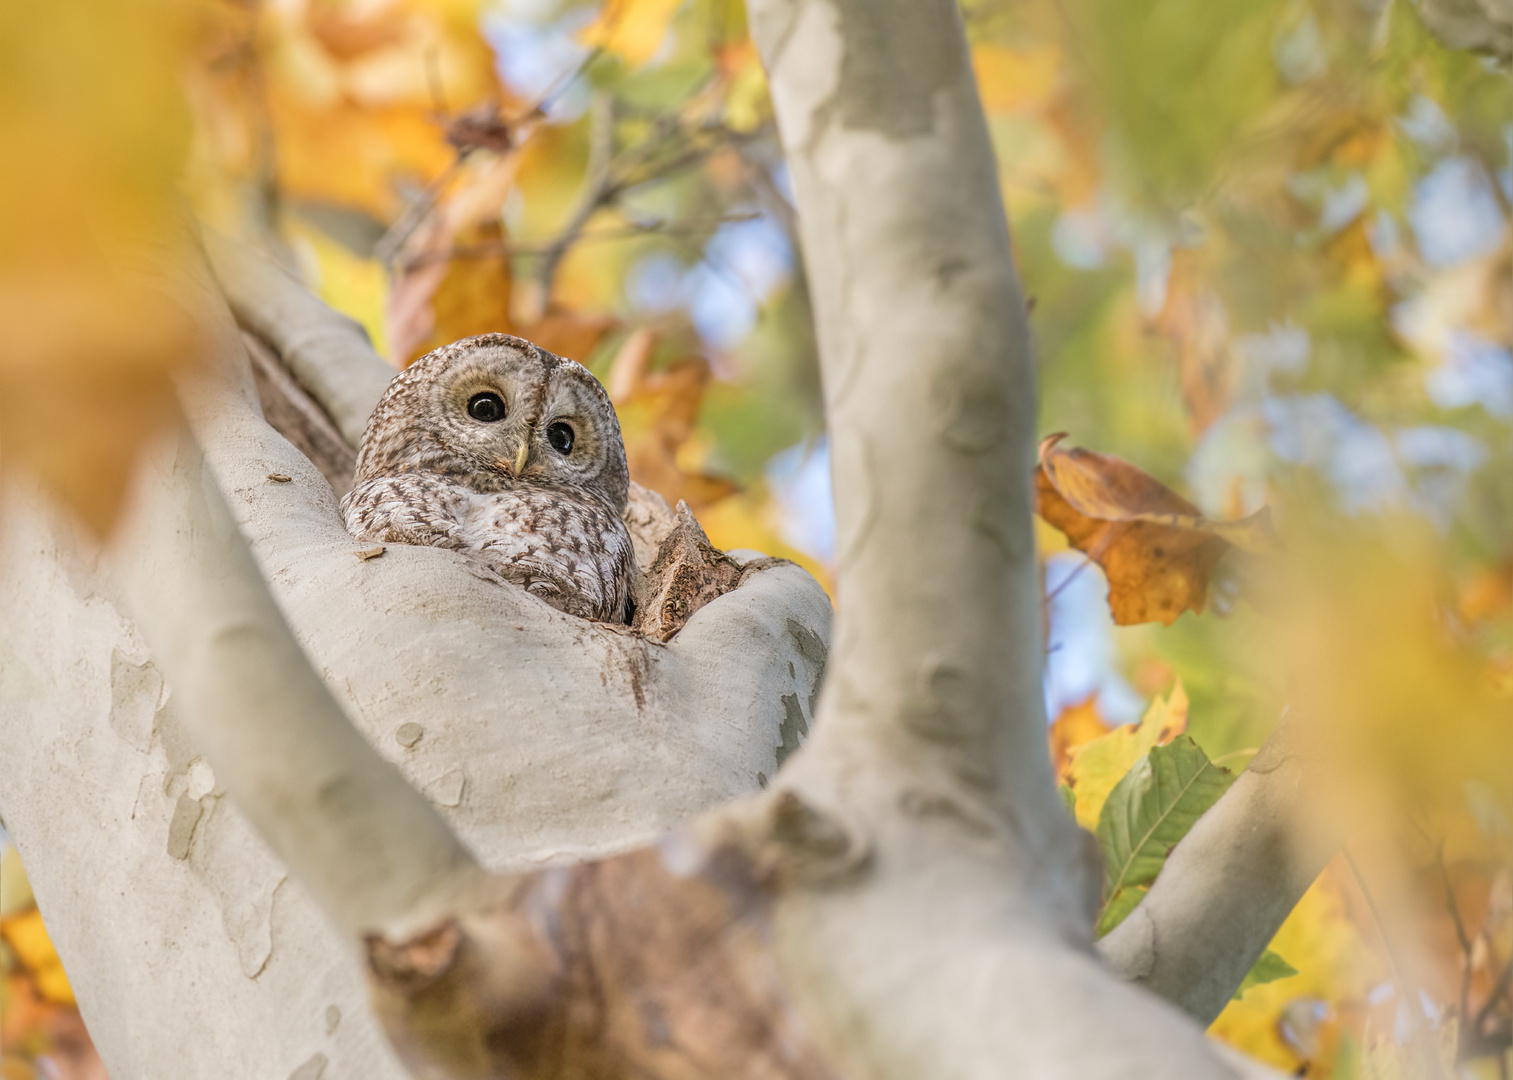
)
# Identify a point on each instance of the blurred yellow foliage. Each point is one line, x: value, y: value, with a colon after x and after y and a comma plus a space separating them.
x: 1010, y: 79
x: 631, y: 29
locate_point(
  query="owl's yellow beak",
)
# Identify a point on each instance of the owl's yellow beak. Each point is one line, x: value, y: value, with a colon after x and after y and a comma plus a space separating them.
x: 521, y: 455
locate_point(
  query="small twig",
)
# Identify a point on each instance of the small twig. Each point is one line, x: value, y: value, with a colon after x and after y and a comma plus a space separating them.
x: 1460, y: 930
x: 1079, y: 568
x: 723, y: 137
x: 561, y: 86
x: 597, y: 190
x: 415, y: 214
x: 494, y: 248
x: 772, y: 199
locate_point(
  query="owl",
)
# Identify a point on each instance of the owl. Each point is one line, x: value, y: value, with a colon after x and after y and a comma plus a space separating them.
x: 499, y: 450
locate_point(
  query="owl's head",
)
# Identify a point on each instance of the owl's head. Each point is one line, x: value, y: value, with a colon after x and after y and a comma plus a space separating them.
x: 496, y: 407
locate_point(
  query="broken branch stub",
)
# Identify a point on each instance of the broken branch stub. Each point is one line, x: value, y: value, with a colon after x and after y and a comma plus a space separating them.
x: 687, y: 573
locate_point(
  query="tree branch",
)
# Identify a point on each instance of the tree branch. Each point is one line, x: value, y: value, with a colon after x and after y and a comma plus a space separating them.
x: 929, y: 391
x: 952, y: 937
x: 328, y: 353
x: 375, y: 853
x: 1228, y: 886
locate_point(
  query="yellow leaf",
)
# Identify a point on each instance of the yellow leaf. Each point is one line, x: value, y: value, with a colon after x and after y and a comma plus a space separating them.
x: 745, y: 520
x: 1011, y: 80
x: 631, y: 29
x: 351, y: 284
x: 26, y: 934
x: 1098, y: 765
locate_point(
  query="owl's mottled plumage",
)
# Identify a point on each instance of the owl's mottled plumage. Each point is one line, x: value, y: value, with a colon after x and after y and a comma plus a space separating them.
x: 502, y: 491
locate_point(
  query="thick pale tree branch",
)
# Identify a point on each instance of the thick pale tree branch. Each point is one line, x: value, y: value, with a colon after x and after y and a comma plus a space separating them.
x: 1229, y: 884
x: 953, y: 938
x: 327, y: 352
x: 374, y: 851
x: 929, y: 391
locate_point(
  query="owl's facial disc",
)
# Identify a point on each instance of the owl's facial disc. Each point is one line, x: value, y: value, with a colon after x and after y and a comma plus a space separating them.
x: 488, y: 403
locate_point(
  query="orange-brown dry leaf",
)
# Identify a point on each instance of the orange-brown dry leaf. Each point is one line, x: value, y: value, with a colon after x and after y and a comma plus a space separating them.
x: 455, y: 280
x: 1485, y: 593
x: 1077, y: 725
x: 1155, y: 548
x: 359, y: 96
x: 658, y: 414
x: 456, y: 298
x: 572, y: 334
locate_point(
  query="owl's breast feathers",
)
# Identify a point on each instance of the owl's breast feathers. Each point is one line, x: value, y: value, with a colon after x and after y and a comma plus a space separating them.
x: 567, y: 546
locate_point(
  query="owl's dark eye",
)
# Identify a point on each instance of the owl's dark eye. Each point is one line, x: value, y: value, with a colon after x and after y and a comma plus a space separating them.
x: 487, y: 407
x: 560, y: 437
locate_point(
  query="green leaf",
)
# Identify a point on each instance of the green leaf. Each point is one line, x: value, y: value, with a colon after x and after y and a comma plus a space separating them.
x: 1269, y: 967
x: 1150, y: 809
x: 1068, y: 798
x: 1118, y: 906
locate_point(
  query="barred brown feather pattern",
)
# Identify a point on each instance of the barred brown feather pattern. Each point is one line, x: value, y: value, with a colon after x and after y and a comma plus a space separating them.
x: 503, y: 492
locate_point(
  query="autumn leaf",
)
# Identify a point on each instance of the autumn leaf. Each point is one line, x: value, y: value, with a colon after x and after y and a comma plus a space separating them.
x: 358, y: 97
x: 1077, y: 725
x: 1097, y: 766
x: 631, y: 29
x: 1010, y: 79
x: 1147, y: 814
x: 573, y: 334
x: 659, y: 411
x: 91, y: 122
x: 455, y: 280
x: 1154, y: 546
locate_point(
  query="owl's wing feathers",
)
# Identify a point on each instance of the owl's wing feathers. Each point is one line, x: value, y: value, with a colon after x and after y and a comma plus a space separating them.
x: 406, y: 508
x: 566, y: 546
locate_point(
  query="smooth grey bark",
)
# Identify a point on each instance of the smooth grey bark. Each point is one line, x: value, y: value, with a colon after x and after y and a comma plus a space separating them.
x: 327, y: 352
x: 960, y: 947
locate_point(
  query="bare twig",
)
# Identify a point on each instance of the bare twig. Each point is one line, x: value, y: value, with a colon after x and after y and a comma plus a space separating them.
x: 1460, y: 928
x: 596, y: 191
x: 415, y: 214
x: 495, y: 248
